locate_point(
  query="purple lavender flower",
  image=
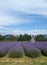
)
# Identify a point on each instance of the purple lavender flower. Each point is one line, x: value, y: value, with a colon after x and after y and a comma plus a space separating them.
x: 16, y: 51
x: 31, y: 50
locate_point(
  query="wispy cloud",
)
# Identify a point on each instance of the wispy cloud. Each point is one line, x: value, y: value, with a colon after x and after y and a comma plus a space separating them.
x: 18, y: 31
x: 31, y: 6
x: 23, y: 16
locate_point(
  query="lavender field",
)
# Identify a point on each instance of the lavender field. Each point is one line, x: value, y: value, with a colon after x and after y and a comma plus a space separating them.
x: 23, y: 53
x: 23, y: 47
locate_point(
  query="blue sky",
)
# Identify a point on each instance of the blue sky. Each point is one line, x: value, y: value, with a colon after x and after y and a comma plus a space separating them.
x: 23, y: 16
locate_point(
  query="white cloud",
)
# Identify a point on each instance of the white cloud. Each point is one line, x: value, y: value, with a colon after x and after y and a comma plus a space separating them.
x: 17, y: 31
x: 28, y: 6
x: 39, y: 31
x: 31, y: 6
x: 7, y: 20
x: 32, y: 32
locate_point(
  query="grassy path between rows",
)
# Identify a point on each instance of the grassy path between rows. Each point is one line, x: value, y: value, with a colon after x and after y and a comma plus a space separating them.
x: 41, y: 60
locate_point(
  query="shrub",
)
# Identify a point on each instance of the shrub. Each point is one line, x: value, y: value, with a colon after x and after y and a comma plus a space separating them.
x: 31, y: 51
x: 16, y: 51
x: 42, y: 46
x: 2, y: 51
x: 15, y: 54
x: 44, y: 52
x: 1, y: 54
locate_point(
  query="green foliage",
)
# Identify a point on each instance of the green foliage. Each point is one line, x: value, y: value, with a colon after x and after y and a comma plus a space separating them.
x: 24, y: 37
x: 1, y: 38
x: 39, y: 38
x: 27, y: 37
x: 10, y: 38
x: 20, y: 38
x: 32, y: 54
x: 1, y: 54
x: 44, y: 52
x: 15, y: 54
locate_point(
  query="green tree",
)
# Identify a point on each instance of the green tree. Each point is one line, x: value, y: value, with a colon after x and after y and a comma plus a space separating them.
x: 39, y: 38
x: 10, y: 38
x: 27, y: 37
x: 20, y: 37
x: 24, y: 37
x: 1, y: 38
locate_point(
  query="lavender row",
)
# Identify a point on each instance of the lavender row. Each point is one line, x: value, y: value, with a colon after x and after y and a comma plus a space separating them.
x: 40, y: 45
x: 30, y: 48
x: 8, y: 47
x: 17, y: 47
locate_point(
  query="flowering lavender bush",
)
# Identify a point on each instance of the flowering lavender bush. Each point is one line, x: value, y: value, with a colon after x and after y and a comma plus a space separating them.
x: 42, y: 46
x: 6, y: 46
x: 16, y: 52
x: 31, y: 51
x: 2, y: 51
x: 31, y: 48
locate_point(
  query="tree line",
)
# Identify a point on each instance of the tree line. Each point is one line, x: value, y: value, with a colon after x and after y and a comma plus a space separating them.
x: 21, y: 37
